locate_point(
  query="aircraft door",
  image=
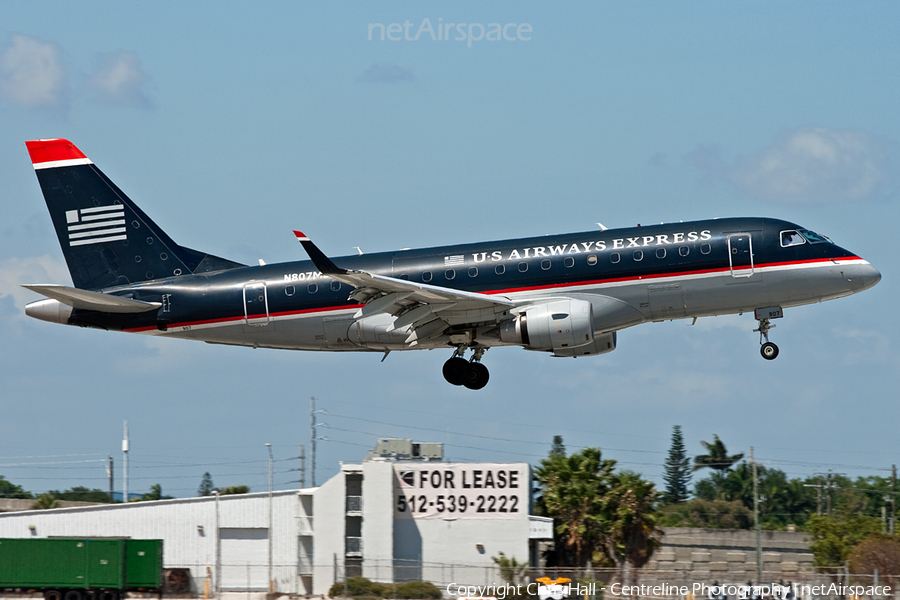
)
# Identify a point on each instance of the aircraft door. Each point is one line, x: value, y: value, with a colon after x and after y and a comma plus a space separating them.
x: 740, y: 254
x: 256, y: 305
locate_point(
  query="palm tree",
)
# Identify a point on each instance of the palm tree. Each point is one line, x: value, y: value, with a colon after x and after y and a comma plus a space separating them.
x: 575, y: 490
x: 717, y: 458
x: 634, y: 534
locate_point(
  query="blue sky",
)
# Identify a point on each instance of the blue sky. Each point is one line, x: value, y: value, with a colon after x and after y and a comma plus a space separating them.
x: 233, y: 124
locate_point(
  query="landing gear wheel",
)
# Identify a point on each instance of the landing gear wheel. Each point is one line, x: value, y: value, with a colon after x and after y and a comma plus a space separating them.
x: 478, y: 376
x: 457, y: 371
x: 769, y: 351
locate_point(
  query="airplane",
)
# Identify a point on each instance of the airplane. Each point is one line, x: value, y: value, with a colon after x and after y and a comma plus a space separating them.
x: 567, y: 295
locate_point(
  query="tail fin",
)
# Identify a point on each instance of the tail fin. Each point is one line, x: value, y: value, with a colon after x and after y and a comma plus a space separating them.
x: 106, y: 239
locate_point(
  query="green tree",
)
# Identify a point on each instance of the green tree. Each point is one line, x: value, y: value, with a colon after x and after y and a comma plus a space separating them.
x: 511, y: 571
x: 235, y: 489
x: 678, y: 470
x: 558, y: 448
x: 155, y: 493
x: 11, y: 490
x: 708, y: 514
x: 45, y: 501
x: 574, y: 493
x: 780, y: 501
x: 81, y: 494
x: 206, y: 485
x: 717, y: 456
x: 833, y: 539
x: 633, y: 533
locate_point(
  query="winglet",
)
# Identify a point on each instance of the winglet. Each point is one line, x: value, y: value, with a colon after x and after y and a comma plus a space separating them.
x: 322, y: 262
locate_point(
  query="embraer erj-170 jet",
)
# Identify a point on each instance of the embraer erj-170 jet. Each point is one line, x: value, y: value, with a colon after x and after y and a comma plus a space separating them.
x: 564, y: 294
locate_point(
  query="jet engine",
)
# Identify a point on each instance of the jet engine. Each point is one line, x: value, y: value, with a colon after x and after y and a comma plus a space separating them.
x: 564, y: 327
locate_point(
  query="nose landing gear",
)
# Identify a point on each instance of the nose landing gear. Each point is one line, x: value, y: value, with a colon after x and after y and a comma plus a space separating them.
x: 469, y: 373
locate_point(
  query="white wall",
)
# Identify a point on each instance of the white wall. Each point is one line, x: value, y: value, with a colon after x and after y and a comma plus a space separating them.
x: 177, y: 522
x: 329, y: 512
x: 378, y: 520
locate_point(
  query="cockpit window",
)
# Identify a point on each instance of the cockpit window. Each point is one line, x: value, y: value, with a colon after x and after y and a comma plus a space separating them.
x: 791, y: 238
x: 813, y: 237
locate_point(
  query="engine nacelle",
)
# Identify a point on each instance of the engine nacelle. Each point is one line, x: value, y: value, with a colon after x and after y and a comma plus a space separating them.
x: 602, y: 344
x: 557, y: 326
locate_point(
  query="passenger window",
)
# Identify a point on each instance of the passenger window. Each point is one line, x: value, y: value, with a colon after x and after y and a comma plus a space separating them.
x: 473, y: 271
x: 569, y: 261
x: 638, y: 255
x: 684, y: 251
x: 705, y: 249
x: 791, y: 238
x: 545, y: 264
x: 523, y: 267
x: 500, y: 269
x: 404, y: 277
x: 449, y: 273
x: 335, y: 286
x: 592, y: 260
x: 313, y: 288
x: 615, y: 257
x: 660, y: 253
x: 426, y: 276
x: 289, y: 290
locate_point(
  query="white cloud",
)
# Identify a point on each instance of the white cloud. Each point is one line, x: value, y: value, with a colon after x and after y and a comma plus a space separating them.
x: 809, y: 165
x: 32, y: 74
x: 34, y: 269
x: 385, y: 73
x: 121, y: 81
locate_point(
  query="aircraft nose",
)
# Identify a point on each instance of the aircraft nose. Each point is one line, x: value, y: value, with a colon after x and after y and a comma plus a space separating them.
x: 865, y: 276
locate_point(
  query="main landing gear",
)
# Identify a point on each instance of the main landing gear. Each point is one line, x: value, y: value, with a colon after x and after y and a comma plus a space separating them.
x: 768, y: 350
x: 470, y: 373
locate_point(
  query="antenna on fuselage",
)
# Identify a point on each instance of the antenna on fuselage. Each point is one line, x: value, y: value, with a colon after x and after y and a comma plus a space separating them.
x: 358, y: 249
x: 602, y: 226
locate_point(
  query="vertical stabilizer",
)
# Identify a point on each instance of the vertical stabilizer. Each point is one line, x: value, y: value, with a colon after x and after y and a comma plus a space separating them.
x: 106, y: 239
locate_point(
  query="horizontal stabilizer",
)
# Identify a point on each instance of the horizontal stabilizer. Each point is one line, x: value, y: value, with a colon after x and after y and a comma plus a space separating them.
x: 86, y: 300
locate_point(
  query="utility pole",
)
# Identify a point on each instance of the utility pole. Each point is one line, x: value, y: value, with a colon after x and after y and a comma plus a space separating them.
x: 312, y: 439
x: 893, y: 499
x: 271, y: 462
x: 818, y: 496
x: 218, y: 586
x: 756, y: 521
x: 109, y: 471
x: 125, y: 465
x: 302, y: 467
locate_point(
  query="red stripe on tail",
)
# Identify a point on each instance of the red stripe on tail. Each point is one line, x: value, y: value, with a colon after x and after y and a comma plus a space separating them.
x: 42, y: 151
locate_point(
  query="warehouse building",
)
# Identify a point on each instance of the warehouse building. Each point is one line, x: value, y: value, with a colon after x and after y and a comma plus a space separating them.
x: 401, y: 514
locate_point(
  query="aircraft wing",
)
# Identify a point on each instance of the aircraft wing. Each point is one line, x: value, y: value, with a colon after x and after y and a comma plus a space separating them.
x: 429, y: 309
x: 86, y: 300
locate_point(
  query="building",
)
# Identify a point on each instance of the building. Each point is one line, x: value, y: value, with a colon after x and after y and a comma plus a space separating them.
x: 397, y: 516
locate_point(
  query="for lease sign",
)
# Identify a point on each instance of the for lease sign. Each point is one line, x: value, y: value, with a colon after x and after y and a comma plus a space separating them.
x: 461, y: 491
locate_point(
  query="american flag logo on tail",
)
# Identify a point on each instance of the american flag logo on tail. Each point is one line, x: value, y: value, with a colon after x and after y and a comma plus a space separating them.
x: 96, y: 225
